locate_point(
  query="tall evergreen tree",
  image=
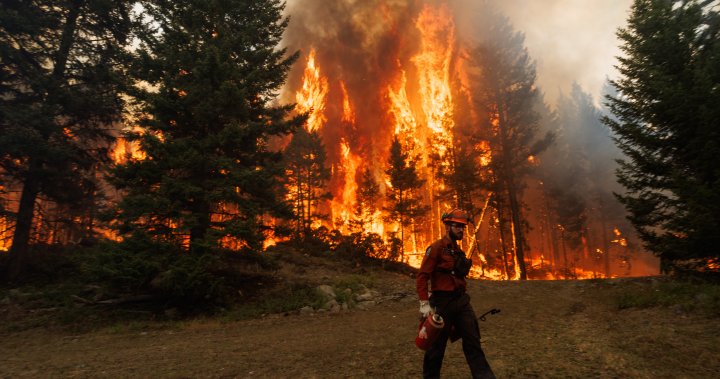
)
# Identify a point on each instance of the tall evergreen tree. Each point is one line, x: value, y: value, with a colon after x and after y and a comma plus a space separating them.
x: 61, y: 80
x: 405, y: 206
x: 462, y: 173
x: 306, y: 175
x: 667, y: 112
x: 504, y: 88
x: 211, y: 71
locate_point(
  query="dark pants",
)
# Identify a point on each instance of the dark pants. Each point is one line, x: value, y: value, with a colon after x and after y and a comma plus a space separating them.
x: 456, y: 310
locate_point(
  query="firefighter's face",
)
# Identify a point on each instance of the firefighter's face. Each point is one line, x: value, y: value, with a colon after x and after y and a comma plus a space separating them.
x: 456, y: 230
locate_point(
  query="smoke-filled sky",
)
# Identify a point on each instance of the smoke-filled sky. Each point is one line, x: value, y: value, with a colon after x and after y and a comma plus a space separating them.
x: 570, y: 40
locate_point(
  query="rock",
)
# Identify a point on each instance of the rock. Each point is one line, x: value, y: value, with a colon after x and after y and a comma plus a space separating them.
x: 330, y: 304
x: 327, y: 291
x: 366, y: 296
x: 336, y: 308
x: 306, y: 310
x: 365, y: 304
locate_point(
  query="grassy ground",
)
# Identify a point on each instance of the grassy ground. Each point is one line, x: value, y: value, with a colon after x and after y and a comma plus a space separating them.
x: 622, y: 328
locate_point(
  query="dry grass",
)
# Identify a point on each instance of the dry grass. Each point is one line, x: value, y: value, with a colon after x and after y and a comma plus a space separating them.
x: 570, y: 329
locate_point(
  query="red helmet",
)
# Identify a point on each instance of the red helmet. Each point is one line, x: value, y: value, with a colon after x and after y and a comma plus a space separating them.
x: 455, y: 215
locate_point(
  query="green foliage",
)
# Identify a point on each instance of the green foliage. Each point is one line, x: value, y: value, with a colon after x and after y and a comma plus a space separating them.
x: 128, y: 267
x: 667, y: 112
x: 286, y: 298
x: 61, y: 87
x: 142, y: 266
x: 317, y: 242
x: 503, y: 87
x: 368, y: 195
x: 348, y: 285
x: 405, y: 204
x: 213, y: 69
x: 360, y: 247
x: 305, y: 178
x: 354, y: 282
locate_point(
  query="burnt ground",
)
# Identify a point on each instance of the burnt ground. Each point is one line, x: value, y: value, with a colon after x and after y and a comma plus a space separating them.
x: 546, y: 329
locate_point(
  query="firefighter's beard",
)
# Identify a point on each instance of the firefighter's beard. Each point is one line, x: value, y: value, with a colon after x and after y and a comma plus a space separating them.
x: 455, y: 236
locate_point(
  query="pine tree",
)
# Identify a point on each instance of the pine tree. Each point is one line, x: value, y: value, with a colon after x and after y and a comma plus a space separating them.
x: 211, y: 71
x: 306, y: 175
x: 61, y: 80
x: 504, y: 88
x: 667, y: 110
x: 405, y: 206
x: 368, y: 194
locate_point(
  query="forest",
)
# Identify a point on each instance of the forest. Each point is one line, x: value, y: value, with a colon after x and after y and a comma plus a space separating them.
x: 149, y: 146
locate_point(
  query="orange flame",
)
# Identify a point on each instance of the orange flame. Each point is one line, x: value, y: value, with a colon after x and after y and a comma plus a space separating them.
x: 434, y: 64
x: 342, y: 206
x: 312, y: 97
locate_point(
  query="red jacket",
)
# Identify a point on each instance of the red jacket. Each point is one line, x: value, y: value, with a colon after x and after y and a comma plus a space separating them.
x: 437, y: 256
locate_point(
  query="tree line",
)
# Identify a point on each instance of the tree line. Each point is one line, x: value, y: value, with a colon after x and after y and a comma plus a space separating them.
x: 194, y: 85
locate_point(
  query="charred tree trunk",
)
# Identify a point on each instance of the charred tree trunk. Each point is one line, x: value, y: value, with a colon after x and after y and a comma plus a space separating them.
x: 519, y: 238
x: 503, y: 250
x: 606, y: 244
x: 508, y: 177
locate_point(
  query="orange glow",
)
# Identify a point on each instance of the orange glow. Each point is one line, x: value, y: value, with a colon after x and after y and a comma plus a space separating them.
x: 620, y: 240
x: 125, y: 150
x: 5, y: 234
x: 342, y: 205
x: 437, y: 31
x: 348, y: 113
x: 312, y: 97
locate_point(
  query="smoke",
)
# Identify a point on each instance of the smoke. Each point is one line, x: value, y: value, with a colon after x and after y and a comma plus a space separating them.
x: 365, y: 48
x: 571, y: 41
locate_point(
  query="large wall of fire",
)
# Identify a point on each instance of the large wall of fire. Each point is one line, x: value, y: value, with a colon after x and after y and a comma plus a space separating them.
x: 372, y: 71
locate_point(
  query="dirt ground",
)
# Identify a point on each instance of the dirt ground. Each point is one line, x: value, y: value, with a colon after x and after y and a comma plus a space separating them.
x: 546, y: 329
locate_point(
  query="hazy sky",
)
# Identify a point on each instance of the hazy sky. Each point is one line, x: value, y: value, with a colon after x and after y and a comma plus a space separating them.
x: 571, y: 40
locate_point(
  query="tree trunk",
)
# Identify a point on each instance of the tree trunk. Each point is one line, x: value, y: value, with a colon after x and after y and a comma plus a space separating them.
x: 23, y: 224
x: 31, y: 185
x: 606, y: 244
x: 508, y: 176
x: 67, y: 40
x: 517, y: 230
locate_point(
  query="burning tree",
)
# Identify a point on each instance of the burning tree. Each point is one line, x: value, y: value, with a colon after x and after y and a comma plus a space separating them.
x: 504, y: 89
x: 60, y: 85
x: 210, y: 70
x: 305, y: 177
x: 366, y: 206
x: 406, y: 207
x: 667, y: 111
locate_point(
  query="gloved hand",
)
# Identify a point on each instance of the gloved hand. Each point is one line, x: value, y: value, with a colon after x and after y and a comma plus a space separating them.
x: 425, y: 308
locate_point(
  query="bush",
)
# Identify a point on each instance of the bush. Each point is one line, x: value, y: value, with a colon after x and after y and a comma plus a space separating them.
x: 361, y: 247
x: 286, y: 298
x: 175, y: 277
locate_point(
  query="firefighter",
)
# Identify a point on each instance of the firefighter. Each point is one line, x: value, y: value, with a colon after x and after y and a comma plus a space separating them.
x: 445, y: 267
